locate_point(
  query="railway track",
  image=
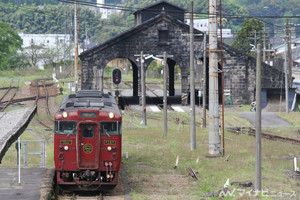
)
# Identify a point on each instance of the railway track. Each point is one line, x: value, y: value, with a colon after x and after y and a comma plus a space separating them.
x: 42, y: 93
x: 275, y: 137
x: 82, y: 196
x: 10, y: 93
x: 121, y: 192
x: 159, y: 105
x: 250, y: 131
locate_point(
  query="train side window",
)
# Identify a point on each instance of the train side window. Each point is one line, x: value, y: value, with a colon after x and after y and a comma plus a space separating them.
x: 87, y: 130
x: 65, y: 127
x: 111, y: 128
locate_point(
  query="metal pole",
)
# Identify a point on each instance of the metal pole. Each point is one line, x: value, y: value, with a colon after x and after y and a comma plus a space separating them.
x: 76, y: 46
x: 192, y: 82
x: 214, y: 135
x: 143, y: 89
x: 258, y: 122
x: 222, y: 79
x: 165, y: 95
x: 204, y: 82
x: 19, y: 160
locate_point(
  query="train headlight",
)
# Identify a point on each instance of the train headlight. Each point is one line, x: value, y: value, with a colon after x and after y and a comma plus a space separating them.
x: 111, y: 115
x: 109, y: 148
x: 65, y: 114
x: 66, y: 148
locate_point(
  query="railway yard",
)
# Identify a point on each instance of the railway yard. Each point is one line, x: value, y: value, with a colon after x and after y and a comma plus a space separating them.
x: 153, y: 166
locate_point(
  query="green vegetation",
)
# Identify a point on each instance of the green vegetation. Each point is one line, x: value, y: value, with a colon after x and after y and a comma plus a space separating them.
x: 10, y: 43
x: 152, y: 158
x: 57, y: 19
x: 246, y: 35
x: 41, y: 16
x: 150, y: 165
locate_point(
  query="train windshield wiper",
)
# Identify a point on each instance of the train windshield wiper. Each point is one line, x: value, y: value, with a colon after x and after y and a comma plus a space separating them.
x: 107, y: 134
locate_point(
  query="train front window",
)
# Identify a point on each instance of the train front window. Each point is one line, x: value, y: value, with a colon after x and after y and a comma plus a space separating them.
x: 110, y: 128
x: 65, y: 127
x: 87, y: 130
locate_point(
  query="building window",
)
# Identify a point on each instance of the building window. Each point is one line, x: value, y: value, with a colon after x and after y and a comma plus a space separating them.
x: 163, y: 35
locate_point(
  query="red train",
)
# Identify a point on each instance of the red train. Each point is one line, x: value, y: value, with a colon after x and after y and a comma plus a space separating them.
x: 87, y: 141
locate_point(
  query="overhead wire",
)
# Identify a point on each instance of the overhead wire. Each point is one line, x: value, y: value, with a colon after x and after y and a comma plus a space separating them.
x: 50, y: 14
x: 111, y: 6
x: 126, y: 8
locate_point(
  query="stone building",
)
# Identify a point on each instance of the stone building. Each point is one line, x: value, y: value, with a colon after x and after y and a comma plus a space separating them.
x: 160, y: 27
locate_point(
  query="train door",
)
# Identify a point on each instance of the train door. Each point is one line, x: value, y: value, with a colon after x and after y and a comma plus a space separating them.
x: 88, y: 145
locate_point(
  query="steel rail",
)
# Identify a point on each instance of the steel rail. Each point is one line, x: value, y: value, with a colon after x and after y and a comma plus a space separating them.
x: 11, y: 98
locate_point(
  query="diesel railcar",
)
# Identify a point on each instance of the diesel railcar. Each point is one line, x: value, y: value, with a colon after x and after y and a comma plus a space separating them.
x: 87, y: 141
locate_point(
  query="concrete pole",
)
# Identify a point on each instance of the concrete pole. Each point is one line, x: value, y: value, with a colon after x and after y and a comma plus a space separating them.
x: 286, y: 79
x: 290, y: 55
x: 143, y: 89
x: 76, y: 46
x: 269, y: 54
x: 264, y: 51
x: 214, y: 134
x: 165, y: 95
x: 258, y: 122
x: 255, y: 38
x: 204, y: 82
x: 192, y: 82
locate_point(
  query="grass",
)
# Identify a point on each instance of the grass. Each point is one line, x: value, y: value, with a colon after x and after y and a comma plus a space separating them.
x: 152, y: 156
x: 151, y: 153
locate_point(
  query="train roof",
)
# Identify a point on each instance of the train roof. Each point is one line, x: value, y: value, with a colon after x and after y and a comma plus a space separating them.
x: 90, y: 100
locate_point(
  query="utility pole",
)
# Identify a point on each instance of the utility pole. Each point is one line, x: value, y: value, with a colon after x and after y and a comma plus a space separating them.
x: 289, y: 53
x: 165, y: 95
x: 264, y: 52
x: 255, y: 38
x: 222, y: 79
x: 86, y: 37
x: 76, y: 46
x: 214, y: 134
x: 143, y: 89
x: 269, y: 54
x: 286, y: 71
x: 258, y: 122
x: 204, y: 81
x: 192, y: 81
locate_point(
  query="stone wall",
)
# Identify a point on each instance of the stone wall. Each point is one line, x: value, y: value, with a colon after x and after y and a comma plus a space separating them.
x: 239, y: 69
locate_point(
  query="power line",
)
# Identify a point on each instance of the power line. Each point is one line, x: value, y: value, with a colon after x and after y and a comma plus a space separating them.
x: 50, y: 14
x: 130, y: 8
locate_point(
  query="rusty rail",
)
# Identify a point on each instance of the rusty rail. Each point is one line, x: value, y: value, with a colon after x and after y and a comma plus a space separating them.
x: 39, y: 96
x: 275, y: 137
x: 159, y: 105
x: 11, y: 98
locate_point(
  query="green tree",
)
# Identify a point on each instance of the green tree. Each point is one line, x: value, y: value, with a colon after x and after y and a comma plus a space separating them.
x: 10, y: 43
x: 246, y: 34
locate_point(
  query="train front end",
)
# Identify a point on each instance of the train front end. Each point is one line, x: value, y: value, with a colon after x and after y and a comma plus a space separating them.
x: 87, y: 141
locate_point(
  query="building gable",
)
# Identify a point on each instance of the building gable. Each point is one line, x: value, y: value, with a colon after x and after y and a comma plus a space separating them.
x: 153, y: 10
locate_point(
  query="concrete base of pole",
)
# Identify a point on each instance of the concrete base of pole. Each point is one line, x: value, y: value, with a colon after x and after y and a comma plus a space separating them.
x: 214, y: 156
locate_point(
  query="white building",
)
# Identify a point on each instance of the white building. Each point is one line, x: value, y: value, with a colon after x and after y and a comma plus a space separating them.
x: 202, y: 25
x: 39, y: 44
x: 295, y: 45
x: 106, y: 11
x: 47, y: 40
